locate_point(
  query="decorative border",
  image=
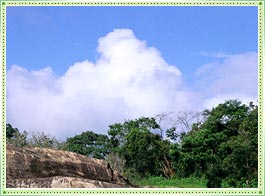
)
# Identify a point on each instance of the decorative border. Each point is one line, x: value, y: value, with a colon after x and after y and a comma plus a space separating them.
x: 130, y: 3
x: 185, y: 191
x: 260, y: 101
x: 3, y: 95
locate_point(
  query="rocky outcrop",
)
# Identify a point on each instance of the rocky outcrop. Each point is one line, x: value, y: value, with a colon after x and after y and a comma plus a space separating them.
x: 62, y: 182
x: 48, y: 168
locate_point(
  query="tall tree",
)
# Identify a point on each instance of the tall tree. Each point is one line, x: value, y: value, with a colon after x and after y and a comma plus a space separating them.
x: 143, y: 151
x: 224, y: 147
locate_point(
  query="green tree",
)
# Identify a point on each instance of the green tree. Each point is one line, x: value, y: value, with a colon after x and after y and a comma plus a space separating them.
x: 223, y: 143
x: 15, y: 137
x: 117, y: 134
x: 118, y: 131
x: 10, y: 131
x: 90, y: 144
x: 143, y: 152
x: 242, y: 162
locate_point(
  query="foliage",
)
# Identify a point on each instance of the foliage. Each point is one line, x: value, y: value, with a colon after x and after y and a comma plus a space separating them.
x: 224, y: 148
x: 218, y: 150
x: 42, y: 140
x: 118, y: 131
x: 14, y: 137
x: 10, y: 131
x: 130, y: 141
x: 241, y: 163
x: 90, y: 144
x: 143, y: 152
x: 35, y: 139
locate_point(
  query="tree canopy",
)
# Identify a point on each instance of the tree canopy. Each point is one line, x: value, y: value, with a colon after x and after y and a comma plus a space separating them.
x: 90, y: 144
x: 224, y: 148
x: 221, y: 147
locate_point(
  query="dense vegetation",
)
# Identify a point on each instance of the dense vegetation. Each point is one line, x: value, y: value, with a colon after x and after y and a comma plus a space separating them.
x: 220, y: 150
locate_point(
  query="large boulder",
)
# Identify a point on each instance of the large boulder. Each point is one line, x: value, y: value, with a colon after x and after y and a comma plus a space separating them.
x: 48, y: 168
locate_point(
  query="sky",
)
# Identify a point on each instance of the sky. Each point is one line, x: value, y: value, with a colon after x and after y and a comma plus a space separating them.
x: 73, y: 69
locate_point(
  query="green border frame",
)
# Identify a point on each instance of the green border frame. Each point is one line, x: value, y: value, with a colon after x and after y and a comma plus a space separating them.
x: 182, y: 191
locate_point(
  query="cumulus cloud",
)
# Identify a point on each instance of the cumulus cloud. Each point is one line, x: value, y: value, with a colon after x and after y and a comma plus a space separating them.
x: 129, y: 80
x: 235, y: 77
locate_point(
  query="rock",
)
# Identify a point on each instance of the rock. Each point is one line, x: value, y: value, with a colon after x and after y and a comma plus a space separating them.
x: 62, y: 182
x: 49, y: 168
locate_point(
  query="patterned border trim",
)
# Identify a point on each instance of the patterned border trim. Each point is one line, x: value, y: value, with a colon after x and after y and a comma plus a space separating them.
x: 183, y: 3
x: 12, y: 191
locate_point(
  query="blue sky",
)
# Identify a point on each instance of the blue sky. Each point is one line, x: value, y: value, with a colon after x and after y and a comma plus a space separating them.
x: 60, y: 36
x: 205, y: 45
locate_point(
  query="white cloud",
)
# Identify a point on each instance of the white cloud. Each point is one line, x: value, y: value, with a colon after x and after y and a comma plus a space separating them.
x: 236, y: 77
x: 129, y: 80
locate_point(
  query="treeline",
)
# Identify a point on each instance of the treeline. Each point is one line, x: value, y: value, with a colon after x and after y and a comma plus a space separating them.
x: 222, y: 147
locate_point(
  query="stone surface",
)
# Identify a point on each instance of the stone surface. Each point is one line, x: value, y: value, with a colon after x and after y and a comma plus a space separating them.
x: 48, y: 168
x: 62, y: 182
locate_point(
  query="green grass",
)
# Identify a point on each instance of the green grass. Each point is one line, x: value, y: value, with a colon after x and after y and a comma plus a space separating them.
x: 160, y: 182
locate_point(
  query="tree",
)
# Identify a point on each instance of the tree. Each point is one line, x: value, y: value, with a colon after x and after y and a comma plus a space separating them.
x: 117, y: 134
x: 35, y: 139
x: 118, y: 131
x: 120, y: 137
x: 43, y: 140
x: 90, y: 144
x: 185, y: 120
x: 224, y: 147
x: 242, y: 160
x: 144, y: 153
x: 182, y: 123
x: 160, y: 118
x: 14, y: 137
x: 10, y: 131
